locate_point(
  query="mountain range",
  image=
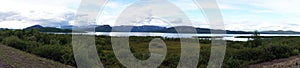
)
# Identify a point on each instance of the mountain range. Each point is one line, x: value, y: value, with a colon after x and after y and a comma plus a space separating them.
x: 47, y: 29
x: 150, y: 28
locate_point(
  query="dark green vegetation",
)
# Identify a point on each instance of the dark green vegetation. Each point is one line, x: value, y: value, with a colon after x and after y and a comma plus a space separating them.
x: 238, y: 54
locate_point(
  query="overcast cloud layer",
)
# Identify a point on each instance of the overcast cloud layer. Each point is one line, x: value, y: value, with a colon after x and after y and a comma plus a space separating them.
x: 246, y: 15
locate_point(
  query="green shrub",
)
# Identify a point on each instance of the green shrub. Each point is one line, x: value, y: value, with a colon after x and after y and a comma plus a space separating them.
x: 277, y: 51
x: 171, y: 60
x: 68, y: 56
x: 248, y: 54
x: 49, y: 51
x: 30, y: 38
x: 232, y: 63
x: 15, y: 42
x: 295, y: 52
x: 1, y: 38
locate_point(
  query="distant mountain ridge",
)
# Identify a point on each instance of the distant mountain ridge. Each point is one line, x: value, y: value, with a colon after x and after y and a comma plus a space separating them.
x: 280, y: 32
x: 151, y: 28
x: 47, y: 29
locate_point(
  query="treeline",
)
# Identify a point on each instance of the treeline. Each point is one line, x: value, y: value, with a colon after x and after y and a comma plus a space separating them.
x: 238, y: 54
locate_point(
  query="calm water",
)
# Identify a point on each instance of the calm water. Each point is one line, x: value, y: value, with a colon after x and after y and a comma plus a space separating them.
x: 174, y: 35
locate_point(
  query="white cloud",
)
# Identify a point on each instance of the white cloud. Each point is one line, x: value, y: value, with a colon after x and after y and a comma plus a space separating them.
x: 21, y: 14
x: 238, y: 14
x: 15, y: 24
x: 262, y: 14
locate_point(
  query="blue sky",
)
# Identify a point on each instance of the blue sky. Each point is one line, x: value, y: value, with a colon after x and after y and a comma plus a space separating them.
x: 245, y: 15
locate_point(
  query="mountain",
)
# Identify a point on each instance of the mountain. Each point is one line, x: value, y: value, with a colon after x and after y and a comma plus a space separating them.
x: 67, y: 27
x: 147, y: 28
x: 104, y: 28
x: 279, y: 32
x: 150, y: 28
x: 238, y: 32
x: 182, y: 29
x: 138, y: 28
x: 34, y: 27
x: 3, y: 29
x: 189, y: 29
x: 47, y: 29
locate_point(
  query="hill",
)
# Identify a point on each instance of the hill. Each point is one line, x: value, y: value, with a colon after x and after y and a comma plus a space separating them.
x: 47, y: 29
x: 151, y: 28
x: 280, y: 32
x: 182, y: 29
x: 290, y: 62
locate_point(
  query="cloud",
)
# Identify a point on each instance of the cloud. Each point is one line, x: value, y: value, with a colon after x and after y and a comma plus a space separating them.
x: 238, y: 14
x: 261, y: 15
x: 18, y: 14
x: 9, y: 16
x: 15, y: 24
x: 283, y: 7
x: 53, y: 20
x: 111, y: 12
x: 45, y: 19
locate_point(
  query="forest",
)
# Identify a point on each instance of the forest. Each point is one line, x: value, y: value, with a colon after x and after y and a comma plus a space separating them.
x: 58, y: 47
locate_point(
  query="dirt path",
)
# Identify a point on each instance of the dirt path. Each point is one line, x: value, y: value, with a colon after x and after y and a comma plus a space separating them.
x: 14, y: 58
x: 291, y: 62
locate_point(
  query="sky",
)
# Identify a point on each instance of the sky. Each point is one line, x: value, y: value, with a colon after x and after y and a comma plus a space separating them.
x: 246, y: 15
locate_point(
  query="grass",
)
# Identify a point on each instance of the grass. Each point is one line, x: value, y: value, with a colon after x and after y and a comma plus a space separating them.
x: 14, y: 58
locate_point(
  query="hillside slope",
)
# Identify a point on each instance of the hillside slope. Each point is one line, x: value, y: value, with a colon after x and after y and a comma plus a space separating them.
x: 291, y: 62
x: 14, y: 58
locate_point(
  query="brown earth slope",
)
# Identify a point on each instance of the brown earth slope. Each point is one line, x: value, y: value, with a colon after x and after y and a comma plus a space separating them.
x: 14, y: 58
x: 291, y: 62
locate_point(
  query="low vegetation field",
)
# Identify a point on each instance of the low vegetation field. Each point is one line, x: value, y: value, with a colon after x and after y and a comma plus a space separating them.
x: 238, y: 54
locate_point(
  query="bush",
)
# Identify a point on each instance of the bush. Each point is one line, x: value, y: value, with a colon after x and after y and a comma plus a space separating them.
x: 49, y: 51
x: 1, y: 38
x: 232, y: 63
x: 15, y: 42
x: 295, y: 52
x: 277, y: 51
x: 248, y: 54
x: 171, y: 60
x: 30, y: 38
x: 68, y: 56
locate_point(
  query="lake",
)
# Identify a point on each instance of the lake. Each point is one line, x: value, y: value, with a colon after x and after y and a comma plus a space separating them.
x: 175, y: 35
